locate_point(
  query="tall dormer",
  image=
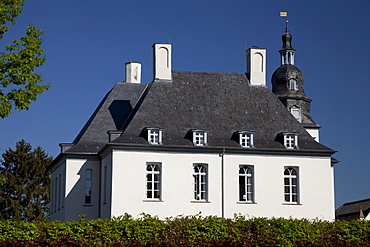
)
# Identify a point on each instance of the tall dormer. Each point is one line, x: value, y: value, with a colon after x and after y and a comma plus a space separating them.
x: 287, y: 84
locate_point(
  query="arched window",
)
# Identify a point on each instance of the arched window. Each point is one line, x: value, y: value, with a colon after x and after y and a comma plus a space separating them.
x: 291, y: 185
x: 153, y: 181
x: 246, y: 184
x: 200, y: 182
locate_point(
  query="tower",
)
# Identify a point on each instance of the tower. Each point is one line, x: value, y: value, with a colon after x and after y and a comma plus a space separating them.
x: 287, y: 85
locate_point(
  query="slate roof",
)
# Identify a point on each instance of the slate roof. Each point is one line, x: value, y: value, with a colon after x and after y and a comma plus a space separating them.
x: 111, y: 114
x: 351, y: 210
x: 220, y: 103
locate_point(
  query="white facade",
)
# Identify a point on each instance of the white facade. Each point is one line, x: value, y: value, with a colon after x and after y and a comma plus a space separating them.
x: 120, y: 182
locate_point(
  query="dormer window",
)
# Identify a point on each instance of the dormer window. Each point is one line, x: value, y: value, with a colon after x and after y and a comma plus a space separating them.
x: 291, y: 141
x: 293, y: 85
x: 199, y: 137
x: 245, y: 139
x: 288, y: 139
x: 154, y: 136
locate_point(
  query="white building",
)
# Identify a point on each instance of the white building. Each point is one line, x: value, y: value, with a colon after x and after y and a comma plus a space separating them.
x: 190, y: 142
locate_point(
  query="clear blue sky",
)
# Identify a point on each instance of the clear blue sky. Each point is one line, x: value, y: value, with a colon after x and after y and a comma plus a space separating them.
x: 87, y: 43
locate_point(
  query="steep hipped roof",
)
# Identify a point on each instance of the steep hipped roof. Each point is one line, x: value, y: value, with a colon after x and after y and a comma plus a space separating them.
x: 219, y: 103
x: 352, y: 210
x: 111, y: 114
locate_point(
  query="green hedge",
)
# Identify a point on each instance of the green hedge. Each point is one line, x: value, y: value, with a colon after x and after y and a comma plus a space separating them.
x: 186, y: 231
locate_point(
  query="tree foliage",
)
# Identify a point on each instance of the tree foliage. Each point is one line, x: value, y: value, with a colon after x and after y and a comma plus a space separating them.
x: 24, y: 194
x: 19, y: 84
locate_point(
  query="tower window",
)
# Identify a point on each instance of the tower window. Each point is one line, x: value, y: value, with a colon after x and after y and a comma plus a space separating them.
x: 296, y: 112
x: 293, y: 85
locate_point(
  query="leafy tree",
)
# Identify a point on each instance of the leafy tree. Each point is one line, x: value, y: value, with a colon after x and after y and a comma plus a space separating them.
x: 19, y: 86
x: 24, y: 195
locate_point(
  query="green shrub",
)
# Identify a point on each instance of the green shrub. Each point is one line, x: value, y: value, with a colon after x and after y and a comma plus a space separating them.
x: 195, y: 230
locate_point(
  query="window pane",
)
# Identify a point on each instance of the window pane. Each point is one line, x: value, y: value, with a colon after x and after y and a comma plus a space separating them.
x: 294, y: 198
x: 287, y: 198
x: 286, y: 181
x: 156, y: 177
x: 294, y: 189
x: 156, y: 186
x: 149, y: 194
x: 203, y: 195
x: 149, y: 186
x: 156, y: 194
x: 287, y: 189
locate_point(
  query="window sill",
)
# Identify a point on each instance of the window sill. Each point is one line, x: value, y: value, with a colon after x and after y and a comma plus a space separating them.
x: 152, y: 200
x: 242, y: 202
x: 88, y: 205
x: 291, y: 203
x: 200, y: 201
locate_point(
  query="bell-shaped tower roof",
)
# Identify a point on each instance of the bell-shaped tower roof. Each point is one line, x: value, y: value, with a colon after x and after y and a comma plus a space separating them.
x: 287, y: 84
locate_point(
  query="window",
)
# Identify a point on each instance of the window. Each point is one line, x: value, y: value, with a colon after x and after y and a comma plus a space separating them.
x: 60, y: 192
x: 88, y: 186
x: 293, y: 85
x: 291, y: 141
x: 246, y: 184
x: 56, y: 194
x: 291, y: 185
x: 246, y: 139
x: 153, y: 181
x: 296, y: 112
x: 199, y: 138
x: 154, y: 136
x: 200, y: 182
x: 105, y: 184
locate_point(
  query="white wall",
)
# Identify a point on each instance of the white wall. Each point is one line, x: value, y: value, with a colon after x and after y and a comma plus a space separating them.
x: 57, y: 191
x: 129, y: 184
x: 74, y: 188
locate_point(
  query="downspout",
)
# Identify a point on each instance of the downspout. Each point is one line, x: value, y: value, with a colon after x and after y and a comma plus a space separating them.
x: 222, y: 184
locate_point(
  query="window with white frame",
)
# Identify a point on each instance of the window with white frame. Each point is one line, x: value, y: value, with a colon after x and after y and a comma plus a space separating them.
x: 88, y: 185
x: 154, y: 136
x: 200, y: 182
x: 291, y: 185
x: 153, y: 181
x: 246, y: 139
x: 199, y: 138
x: 293, y: 85
x: 296, y: 112
x: 290, y: 141
x: 246, y: 184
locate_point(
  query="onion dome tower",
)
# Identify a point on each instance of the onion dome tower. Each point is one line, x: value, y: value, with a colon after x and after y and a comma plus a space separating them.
x: 287, y: 85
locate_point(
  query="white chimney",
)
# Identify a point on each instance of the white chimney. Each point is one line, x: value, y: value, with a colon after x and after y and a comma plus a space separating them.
x: 256, y: 65
x: 133, y: 72
x: 162, y: 61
